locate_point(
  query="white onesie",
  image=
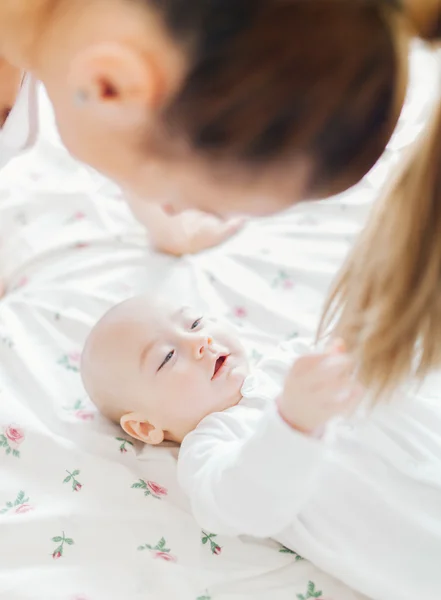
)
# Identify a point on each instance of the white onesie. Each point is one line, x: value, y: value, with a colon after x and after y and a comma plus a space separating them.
x: 363, y: 503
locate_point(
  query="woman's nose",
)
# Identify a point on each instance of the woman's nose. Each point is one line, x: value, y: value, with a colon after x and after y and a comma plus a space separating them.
x: 200, y: 345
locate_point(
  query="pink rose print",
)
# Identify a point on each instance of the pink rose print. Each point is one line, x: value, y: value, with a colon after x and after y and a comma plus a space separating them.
x: 283, y: 280
x: 81, y: 245
x: 159, y: 551
x: 71, y: 477
x: 11, y: 438
x: 62, y: 540
x: 21, y: 283
x: 71, y: 361
x: 150, y: 489
x: 19, y: 505
x: 209, y: 538
x: 81, y: 411
x: 74, y: 357
x: 24, y: 508
x: 165, y: 556
x: 85, y: 415
x: 79, y: 215
x: 14, y: 434
x: 156, y: 489
x: 240, y: 312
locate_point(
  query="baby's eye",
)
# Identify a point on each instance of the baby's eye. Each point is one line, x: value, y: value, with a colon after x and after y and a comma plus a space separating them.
x: 166, y: 359
x: 196, y: 323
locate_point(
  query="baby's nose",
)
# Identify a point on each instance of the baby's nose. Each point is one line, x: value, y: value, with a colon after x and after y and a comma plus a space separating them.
x: 201, y: 344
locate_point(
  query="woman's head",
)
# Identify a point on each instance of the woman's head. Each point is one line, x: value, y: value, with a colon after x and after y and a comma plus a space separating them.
x: 232, y: 105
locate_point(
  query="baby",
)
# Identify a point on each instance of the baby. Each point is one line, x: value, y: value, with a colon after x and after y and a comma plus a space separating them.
x: 360, y: 498
x: 159, y: 370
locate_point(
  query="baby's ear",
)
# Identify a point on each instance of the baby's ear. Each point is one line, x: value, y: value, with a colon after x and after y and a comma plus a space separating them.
x: 137, y: 427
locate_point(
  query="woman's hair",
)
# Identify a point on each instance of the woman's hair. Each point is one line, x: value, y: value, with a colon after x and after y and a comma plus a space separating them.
x: 270, y: 81
x: 273, y: 80
x: 386, y: 301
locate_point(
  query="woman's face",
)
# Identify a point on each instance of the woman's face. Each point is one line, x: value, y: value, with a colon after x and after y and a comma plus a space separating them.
x: 109, y: 85
x: 127, y: 155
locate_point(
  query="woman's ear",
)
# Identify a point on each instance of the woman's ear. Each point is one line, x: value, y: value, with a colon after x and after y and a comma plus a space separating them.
x: 117, y: 82
x: 140, y: 429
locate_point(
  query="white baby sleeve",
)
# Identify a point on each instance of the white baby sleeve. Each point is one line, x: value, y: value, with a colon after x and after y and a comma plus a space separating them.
x: 247, y: 472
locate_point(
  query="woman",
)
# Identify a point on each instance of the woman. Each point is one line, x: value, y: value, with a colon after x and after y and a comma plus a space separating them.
x: 247, y: 106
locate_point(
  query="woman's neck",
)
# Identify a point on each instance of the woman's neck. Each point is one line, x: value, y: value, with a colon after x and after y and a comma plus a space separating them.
x: 22, y: 24
x: 424, y: 15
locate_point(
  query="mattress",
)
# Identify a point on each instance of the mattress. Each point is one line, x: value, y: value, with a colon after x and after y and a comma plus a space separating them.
x: 85, y: 512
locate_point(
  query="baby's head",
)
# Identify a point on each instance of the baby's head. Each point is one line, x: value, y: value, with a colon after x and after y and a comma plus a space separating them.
x: 159, y: 369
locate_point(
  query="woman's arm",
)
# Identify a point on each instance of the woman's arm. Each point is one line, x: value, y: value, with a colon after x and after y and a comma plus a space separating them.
x: 10, y: 80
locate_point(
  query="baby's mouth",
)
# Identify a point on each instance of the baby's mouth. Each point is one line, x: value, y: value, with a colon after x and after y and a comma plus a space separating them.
x: 219, y: 364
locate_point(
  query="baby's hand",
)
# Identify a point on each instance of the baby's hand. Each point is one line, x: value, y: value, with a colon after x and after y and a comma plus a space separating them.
x: 318, y: 388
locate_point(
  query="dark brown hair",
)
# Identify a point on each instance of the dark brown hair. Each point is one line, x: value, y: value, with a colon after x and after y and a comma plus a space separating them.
x: 272, y: 80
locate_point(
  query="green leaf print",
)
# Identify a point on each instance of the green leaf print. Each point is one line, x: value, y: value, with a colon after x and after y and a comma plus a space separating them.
x: 139, y: 484
x: 311, y: 592
x: 19, y: 501
x: 161, y: 544
x: 76, y: 485
x: 159, y: 548
x: 214, y: 546
x: 59, y: 550
x: 284, y: 550
x: 123, y: 445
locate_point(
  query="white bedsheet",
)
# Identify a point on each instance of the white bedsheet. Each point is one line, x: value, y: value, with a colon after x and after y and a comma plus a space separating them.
x: 86, y: 514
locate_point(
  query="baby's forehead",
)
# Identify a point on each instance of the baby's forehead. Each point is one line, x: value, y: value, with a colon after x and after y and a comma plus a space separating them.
x: 145, y: 314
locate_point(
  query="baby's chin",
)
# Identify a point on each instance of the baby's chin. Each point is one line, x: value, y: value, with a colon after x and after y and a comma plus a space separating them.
x: 234, y: 384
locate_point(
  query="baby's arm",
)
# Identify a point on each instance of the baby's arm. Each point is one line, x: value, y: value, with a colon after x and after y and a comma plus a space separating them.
x: 247, y: 471
x: 250, y: 471
x: 186, y: 233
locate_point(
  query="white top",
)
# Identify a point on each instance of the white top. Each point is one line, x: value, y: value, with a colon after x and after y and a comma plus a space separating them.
x: 363, y: 503
x: 21, y: 127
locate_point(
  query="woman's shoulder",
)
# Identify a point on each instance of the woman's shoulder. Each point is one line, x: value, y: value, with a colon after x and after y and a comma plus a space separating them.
x: 20, y: 129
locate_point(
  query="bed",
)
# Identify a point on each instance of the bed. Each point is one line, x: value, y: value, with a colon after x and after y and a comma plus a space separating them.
x: 86, y: 513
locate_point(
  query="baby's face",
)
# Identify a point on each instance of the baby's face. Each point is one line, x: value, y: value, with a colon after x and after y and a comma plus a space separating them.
x: 174, y: 366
